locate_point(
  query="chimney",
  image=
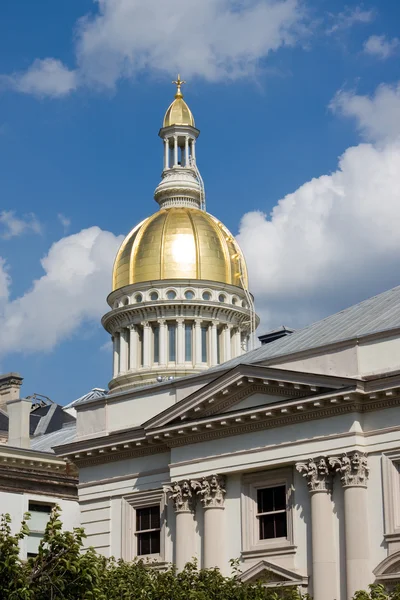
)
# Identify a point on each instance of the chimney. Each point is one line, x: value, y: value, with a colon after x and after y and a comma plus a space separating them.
x: 10, y: 384
x: 19, y: 412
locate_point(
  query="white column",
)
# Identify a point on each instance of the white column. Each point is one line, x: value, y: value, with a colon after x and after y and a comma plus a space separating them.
x: 197, y: 343
x: 175, y: 150
x: 133, y: 348
x: 213, y: 344
x: 184, y: 504
x: 237, y: 349
x: 194, y: 149
x: 353, y: 469
x: 166, y: 157
x: 324, y: 571
x: 146, y: 344
x: 115, y: 340
x: 123, y: 353
x: 186, y: 151
x: 212, y: 493
x: 163, y: 342
x: 227, y: 343
x: 180, y: 341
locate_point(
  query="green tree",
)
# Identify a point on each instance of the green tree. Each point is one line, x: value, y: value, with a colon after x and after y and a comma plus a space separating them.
x: 63, y: 571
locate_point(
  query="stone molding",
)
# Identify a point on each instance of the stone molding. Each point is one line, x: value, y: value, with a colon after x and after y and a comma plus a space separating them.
x: 211, y: 491
x: 318, y: 473
x: 352, y: 468
x: 181, y: 494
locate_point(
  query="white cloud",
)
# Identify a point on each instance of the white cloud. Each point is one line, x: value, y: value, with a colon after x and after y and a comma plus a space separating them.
x: 73, y: 289
x: 214, y: 39
x: 350, y: 17
x: 48, y: 77
x: 334, y: 241
x: 13, y: 226
x: 5, y: 281
x: 377, y: 116
x: 380, y: 46
x: 65, y: 221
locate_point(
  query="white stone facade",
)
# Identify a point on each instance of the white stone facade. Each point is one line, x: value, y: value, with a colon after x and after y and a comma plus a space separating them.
x: 204, y: 448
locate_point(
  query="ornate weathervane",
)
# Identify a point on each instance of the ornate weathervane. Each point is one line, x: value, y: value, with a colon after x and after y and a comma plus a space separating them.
x: 178, y: 84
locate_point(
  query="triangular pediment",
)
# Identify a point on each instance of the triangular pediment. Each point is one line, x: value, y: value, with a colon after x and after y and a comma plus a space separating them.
x: 244, y: 385
x: 273, y: 575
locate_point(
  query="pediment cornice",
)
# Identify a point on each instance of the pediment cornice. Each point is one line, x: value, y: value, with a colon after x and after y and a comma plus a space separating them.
x: 238, y: 383
x: 274, y: 574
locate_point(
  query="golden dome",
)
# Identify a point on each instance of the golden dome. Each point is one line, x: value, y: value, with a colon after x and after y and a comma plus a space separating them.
x: 179, y: 243
x: 178, y: 112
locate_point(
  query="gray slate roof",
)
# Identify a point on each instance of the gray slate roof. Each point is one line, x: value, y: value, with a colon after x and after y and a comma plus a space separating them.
x: 92, y: 395
x: 377, y: 314
x: 46, y: 442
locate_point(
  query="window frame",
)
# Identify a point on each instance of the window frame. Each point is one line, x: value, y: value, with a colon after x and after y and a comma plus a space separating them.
x: 131, y: 503
x: 139, y: 532
x: 252, y: 546
x: 391, y: 498
x: 38, y: 533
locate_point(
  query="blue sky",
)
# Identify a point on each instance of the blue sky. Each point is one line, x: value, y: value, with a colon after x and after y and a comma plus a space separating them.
x: 280, y: 91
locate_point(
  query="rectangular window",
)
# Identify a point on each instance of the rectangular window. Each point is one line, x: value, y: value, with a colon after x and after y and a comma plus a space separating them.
x: 156, y: 340
x: 141, y: 345
x: 40, y: 514
x: 171, y: 342
x: 271, y: 512
x: 148, y: 530
x: 204, y: 357
x: 188, y: 342
x: 218, y: 347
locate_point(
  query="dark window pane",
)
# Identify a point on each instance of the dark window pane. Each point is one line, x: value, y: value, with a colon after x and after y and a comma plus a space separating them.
x: 280, y: 525
x: 273, y: 526
x: 265, y: 500
x: 280, y: 498
x: 270, y: 499
x: 142, y: 519
x: 46, y: 508
x: 143, y: 543
x: 154, y: 517
x: 148, y: 543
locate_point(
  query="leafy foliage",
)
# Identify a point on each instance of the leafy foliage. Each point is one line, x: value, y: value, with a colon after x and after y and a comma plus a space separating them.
x: 63, y: 571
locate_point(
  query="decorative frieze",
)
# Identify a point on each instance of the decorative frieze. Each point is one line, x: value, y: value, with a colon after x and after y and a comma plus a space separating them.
x: 352, y: 468
x: 182, y: 495
x: 211, y: 491
x: 317, y: 471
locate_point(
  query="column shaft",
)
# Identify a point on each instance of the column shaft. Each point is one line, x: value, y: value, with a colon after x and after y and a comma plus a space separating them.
x: 133, y: 349
x: 193, y: 149
x: 227, y: 343
x: 123, y: 357
x: 186, y: 151
x: 166, y: 157
x: 197, y: 343
x: 115, y: 353
x: 213, y: 344
x: 163, y: 342
x: 236, y: 343
x: 214, y: 538
x: 146, y: 344
x: 184, y: 539
x: 357, y: 540
x: 175, y: 150
x: 324, y: 573
x: 180, y: 340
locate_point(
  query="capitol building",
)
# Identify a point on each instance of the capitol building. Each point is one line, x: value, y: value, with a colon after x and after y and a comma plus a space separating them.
x: 284, y: 455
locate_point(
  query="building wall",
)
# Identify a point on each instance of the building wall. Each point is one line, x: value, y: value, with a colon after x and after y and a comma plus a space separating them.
x: 17, y: 504
x: 104, y: 488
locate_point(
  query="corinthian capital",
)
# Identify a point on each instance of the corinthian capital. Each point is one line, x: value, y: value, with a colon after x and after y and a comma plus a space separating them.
x: 317, y: 473
x: 352, y: 468
x: 181, y: 494
x: 211, y: 491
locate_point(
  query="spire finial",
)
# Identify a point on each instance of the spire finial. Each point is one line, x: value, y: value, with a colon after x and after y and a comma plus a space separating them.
x: 178, y: 84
